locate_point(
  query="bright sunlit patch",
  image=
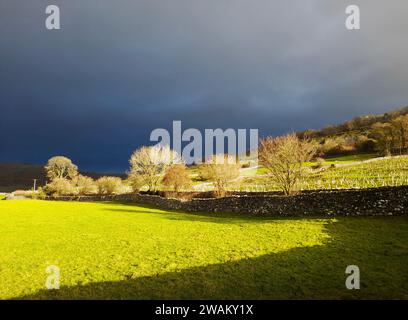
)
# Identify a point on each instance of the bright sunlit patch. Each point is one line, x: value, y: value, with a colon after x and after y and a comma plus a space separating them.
x: 94, y: 242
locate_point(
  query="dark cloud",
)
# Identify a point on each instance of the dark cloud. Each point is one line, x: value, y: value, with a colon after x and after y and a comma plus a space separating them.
x: 118, y: 69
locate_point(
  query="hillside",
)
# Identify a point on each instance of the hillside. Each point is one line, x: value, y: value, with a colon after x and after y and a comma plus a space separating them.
x: 14, y: 176
x: 357, y: 125
x: 385, y: 133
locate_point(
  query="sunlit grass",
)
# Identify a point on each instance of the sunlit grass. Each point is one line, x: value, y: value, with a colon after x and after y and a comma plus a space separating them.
x: 350, y: 158
x: 94, y: 242
x: 331, y: 160
x: 382, y: 173
x: 379, y: 173
x: 122, y: 251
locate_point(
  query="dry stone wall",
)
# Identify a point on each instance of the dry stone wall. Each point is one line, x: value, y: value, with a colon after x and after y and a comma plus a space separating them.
x: 379, y: 201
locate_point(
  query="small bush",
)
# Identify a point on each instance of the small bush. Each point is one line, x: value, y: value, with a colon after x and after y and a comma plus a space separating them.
x: 109, y: 185
x: 38, y: 194
x: 60, y: 187
x: 135, y: 182
x: 84, y: 185
x: 176, y: 178
x: 220, y: 169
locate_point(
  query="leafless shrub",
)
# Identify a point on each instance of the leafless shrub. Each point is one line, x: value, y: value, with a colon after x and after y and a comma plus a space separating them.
x: 84, y: 184
x: 109, y: 185
x: 220, y: 169
x: 177, y: 178
x: 148, y: 165
x: 284, y: 157
x: 60, y: 187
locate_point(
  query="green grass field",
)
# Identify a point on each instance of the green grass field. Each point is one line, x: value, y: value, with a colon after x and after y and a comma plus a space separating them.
x: 329, y: 161
x: 350, y: 158
x: 121, y: 251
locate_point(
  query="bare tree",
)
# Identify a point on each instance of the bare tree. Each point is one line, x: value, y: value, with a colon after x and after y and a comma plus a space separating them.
x: 284, y: 158
x: 60, y: 167
x: 177, y: 178
x: 220, y: 169
x: 148, y: 164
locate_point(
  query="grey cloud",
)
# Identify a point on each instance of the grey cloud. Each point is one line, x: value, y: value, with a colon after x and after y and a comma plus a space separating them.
x: 119, y: 69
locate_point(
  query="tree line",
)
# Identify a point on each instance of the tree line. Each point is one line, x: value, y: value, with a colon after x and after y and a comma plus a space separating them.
x: 158, y: 167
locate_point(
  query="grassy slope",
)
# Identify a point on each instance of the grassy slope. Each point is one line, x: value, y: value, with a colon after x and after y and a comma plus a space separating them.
x: 350, y: 158
x: 123, y: 251
x: 383, y: 172
x: 333, y: 160
x: 255, y: 178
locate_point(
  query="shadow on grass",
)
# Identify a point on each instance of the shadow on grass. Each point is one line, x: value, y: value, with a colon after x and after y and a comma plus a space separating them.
x: 214, y: 217
x: 318, y: 272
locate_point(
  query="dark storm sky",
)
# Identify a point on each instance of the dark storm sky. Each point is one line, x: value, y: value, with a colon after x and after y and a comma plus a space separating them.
x: 94, y: 90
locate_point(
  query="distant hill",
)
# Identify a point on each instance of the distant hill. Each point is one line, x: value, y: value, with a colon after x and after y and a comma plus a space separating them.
x: 357, y: 125
x: 364, y: 134
x: 14, y: 176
